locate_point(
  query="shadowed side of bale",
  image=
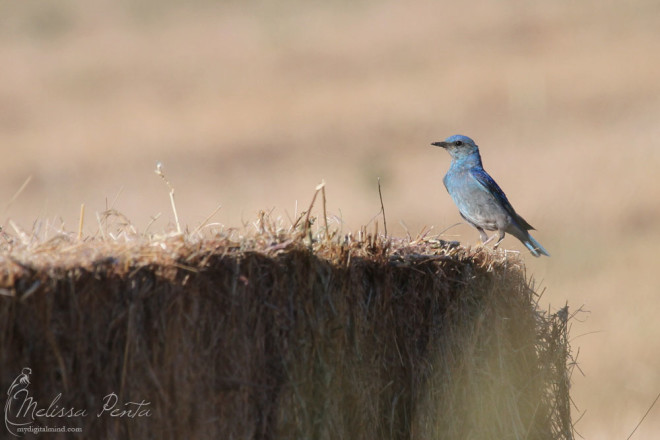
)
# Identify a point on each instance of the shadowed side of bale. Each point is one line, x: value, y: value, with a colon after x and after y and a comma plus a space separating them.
x: 487, y: 381
x: 291, y: 345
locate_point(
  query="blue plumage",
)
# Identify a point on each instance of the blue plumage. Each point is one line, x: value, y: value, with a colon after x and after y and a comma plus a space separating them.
x: 479, y: 199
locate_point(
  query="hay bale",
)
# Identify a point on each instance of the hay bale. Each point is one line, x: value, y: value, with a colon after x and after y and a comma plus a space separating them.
x: 270, y: 337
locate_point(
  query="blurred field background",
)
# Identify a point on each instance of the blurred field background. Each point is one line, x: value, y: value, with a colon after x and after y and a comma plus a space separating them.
x: 250, y: 104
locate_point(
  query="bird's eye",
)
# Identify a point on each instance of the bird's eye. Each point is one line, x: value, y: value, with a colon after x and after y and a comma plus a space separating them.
x: 458, y: 143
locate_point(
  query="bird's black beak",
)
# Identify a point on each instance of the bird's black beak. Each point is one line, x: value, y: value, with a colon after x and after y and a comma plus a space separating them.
x: 440, y: 144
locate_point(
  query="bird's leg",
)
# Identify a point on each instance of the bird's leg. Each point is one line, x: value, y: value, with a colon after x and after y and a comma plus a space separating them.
x: 483, y: 236
x: 499, y: 239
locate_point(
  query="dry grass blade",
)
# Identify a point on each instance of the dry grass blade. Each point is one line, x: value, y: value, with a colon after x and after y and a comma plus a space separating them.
x: 159, y: 171
x: 17, y: 193
x: 81, y: 222
x: 644, y: 416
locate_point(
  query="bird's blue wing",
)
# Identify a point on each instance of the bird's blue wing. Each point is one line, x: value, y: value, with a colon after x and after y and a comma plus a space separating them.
x: 490, y: 186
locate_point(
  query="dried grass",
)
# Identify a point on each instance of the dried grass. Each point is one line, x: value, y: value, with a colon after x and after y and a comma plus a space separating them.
x: 281, y: 333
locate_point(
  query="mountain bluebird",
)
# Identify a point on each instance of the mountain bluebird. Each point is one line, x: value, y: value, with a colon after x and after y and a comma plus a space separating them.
x: 479, y: 199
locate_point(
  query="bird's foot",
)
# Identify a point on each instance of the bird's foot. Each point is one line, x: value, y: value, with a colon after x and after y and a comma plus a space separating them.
x: 498, y: 241
x: 487, y: 240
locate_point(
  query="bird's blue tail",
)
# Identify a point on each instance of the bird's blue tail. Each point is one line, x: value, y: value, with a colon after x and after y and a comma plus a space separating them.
x: 535, y: 247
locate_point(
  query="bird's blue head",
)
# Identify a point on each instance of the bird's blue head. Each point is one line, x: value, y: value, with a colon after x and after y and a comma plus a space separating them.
x: 458, y: 146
